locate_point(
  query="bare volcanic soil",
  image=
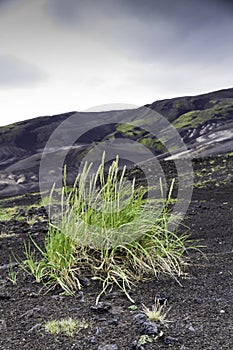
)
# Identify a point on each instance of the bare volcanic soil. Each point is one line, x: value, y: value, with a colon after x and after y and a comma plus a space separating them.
x: 201, y: 315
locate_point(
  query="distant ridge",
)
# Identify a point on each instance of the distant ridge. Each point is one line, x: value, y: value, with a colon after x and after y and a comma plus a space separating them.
x: 205, y: 123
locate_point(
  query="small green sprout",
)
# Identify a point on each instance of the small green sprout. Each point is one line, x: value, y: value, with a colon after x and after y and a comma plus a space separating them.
x: 132, y: 307
x: 12, y: 276
x: 158, y: 312
x: 144, y: 339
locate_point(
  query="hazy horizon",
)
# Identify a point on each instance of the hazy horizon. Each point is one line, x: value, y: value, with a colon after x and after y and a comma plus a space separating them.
x: 58, y: 56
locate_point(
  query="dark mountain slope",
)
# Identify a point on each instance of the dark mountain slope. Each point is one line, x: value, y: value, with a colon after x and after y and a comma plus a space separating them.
x: 205, y: 123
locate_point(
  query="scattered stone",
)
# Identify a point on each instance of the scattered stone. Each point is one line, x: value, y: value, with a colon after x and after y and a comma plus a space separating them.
x: 101, y: 307
x: 80, y: 296
x: 34, y: 178
x: 98, y: 330
x: 57, y: 297
x: 161, y: 299
x: 191, y: 328
x: 8, y: 266
x: 102, y: 319
x: 75, y: 309
x: 33, y: 295
x: 31, y: 312
x: 2, y: 325
x: 136, y: 346
x: 36, y: 326
x: 92, y: 340
x: 149, y: 328
x: 114, y: 321
x: 21, y: 180
x: 140, y: 318
x: 108, y: 347
x: 114, y: 295
x: 85, y: 282
x: 11, y: 177
x: 171, y: 341
x: 198, y: 301
x: 5, y: 297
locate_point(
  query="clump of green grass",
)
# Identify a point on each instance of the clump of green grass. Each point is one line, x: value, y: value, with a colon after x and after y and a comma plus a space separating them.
x: 57, y: 263
x: 110, y: 231
x: 68, y: 326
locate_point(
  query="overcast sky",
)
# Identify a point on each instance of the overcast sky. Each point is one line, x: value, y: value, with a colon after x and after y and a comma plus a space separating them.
x: 69, y: 55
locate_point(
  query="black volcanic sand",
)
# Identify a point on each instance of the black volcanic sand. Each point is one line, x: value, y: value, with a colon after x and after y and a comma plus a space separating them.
x: 201, y: 315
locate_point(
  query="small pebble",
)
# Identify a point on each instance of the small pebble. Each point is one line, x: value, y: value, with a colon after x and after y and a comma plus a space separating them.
x: 171, y: 341
x: 5, y: 296
x: 108, y: 347
x: 80, y: 296
x: 114, y: 321
x: 149, y: 328
x: 2, y: 325
x: 140, y: 318
x: 101, y: 307
x: 136, y: 346
x: 92, y: 340
x: 38, y: 325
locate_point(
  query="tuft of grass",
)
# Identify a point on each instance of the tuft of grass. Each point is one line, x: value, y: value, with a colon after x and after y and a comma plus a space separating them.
x: 56, y: 266
x: 110, y: 231
x: 68, y: 326
x: 12, y: 275
x: 157, y: 313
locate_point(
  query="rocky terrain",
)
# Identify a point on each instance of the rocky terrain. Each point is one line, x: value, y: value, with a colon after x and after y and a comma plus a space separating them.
x: 201, y: 301
x: 205, y: 123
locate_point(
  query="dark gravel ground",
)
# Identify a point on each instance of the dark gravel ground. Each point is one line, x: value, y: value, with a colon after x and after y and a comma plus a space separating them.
x: 201, y: 315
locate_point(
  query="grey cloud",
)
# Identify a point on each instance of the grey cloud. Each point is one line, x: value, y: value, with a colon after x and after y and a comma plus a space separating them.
x: 153, y: 30
x: 74, y: 11
x: 4, y: 4
x: 79, y: 12
x: 15, y: 72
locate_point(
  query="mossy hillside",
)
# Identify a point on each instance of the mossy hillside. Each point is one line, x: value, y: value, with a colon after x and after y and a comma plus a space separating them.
x: 136, y: 133
x: 184, y: 112
x: 6, y: 128
x: 211, y: 110
x: 8, y: 133
x: 221, y: 110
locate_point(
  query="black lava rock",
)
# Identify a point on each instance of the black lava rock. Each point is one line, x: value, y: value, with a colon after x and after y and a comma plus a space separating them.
x: 149, y: 328
x: 101, y: 307
x: 140, y: 318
